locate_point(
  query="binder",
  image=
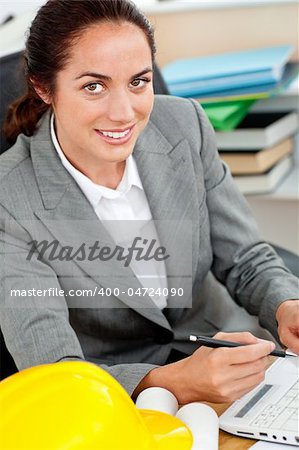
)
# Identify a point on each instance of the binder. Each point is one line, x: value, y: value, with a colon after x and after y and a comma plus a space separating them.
x: 229, y: 70
x: 254, y: 92
x: 225, y: 116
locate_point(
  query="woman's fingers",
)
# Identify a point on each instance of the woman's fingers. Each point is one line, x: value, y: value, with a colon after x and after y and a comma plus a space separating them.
x: 227, y: 390
x: 245, y: 353
x: 242, y: 387
x: 223, y: 374
x: 247, y: 369
x: 241, y: 337
x: 234, y: 370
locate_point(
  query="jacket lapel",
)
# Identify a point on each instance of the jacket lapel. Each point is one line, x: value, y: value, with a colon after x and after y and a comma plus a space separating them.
x: 169, y: 181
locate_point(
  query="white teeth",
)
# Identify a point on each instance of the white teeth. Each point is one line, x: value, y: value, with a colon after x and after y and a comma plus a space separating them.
x: 116, y: 135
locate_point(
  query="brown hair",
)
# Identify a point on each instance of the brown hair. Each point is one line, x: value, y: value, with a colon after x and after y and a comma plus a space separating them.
x: 52, y: 33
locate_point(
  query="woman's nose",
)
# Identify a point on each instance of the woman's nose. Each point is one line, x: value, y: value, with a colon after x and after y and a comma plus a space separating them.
x: 121, y: 108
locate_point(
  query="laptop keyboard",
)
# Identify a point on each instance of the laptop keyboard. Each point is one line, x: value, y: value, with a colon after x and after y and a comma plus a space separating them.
x: 282, y: 415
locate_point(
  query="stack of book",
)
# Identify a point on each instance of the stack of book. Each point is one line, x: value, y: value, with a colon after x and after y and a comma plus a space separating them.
x: 259, y: 151
x: 257, y: 146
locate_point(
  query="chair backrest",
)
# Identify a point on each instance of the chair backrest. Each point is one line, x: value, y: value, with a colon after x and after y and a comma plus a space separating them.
x: 12, y: 86
x: 7, y: 364
x: 160, y: 86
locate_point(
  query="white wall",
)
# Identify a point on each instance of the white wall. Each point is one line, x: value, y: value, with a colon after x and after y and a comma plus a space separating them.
x: 200, y: 32
x: 16, y: 7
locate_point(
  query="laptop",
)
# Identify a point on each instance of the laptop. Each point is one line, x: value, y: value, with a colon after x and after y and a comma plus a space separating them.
x: 270, y: 411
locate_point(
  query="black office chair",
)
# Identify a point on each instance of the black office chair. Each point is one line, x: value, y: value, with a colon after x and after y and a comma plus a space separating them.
x: 7, y: 364
x: 12, y: 85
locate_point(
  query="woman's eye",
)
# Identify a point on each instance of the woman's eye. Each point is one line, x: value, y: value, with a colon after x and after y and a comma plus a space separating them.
x: 94, y: 88
x: 139, y: 82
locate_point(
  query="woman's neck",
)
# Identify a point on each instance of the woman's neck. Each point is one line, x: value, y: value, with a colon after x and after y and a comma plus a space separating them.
x: 108, y: 175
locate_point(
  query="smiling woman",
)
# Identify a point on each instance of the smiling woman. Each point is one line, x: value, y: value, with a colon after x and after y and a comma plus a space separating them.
x: 101, y: 167
x: 114, y: 97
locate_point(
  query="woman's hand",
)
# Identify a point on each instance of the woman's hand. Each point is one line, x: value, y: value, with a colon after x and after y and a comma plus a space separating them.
x: 287, y: 316
x: 217, y: 375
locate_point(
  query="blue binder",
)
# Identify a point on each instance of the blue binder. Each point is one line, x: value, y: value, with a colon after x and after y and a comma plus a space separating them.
x: 207, y: 74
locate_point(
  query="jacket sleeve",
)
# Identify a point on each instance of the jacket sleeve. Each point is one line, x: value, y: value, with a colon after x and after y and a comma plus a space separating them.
x: 36, y: 329
x: 252, y: 271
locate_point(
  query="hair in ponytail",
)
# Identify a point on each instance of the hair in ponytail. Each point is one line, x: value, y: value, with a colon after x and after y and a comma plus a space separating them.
x: 23, y: 115
x: 54, y: 30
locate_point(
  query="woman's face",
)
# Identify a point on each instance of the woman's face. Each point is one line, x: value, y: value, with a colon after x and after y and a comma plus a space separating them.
x: 104, y: 95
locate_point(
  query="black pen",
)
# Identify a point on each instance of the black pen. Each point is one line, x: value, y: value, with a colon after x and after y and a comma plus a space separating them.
x: 216, y: 343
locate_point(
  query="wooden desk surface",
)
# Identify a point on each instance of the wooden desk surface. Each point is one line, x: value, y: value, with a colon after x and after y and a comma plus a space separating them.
x: 229, y: 441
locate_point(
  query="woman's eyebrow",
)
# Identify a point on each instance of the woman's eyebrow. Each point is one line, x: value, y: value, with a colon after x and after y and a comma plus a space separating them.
x: 107, y: 78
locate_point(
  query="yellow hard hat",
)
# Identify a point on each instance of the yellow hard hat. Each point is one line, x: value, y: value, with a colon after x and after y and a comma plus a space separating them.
x: 169, y: 433
x: 79, y: 406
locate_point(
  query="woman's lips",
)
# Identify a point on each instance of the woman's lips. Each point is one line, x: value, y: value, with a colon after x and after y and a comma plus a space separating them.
x: 116, y: 140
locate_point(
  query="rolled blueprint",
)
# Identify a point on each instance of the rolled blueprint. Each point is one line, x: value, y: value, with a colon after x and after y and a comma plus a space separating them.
x: 157, y: 399
x: 204, y: 424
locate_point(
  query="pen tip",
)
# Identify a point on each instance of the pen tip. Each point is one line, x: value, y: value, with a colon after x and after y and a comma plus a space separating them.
x: 192, y: 338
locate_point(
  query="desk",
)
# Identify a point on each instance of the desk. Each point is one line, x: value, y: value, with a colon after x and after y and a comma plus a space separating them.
x: 229, y: 441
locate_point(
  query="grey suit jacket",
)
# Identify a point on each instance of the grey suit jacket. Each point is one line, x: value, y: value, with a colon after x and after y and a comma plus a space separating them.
x: 185, y: 183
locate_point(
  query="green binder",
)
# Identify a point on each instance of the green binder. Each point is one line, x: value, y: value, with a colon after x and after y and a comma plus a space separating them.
x: 227, y: 115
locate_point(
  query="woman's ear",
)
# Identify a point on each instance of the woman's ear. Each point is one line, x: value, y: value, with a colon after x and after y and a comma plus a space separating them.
x: 41, y: 92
